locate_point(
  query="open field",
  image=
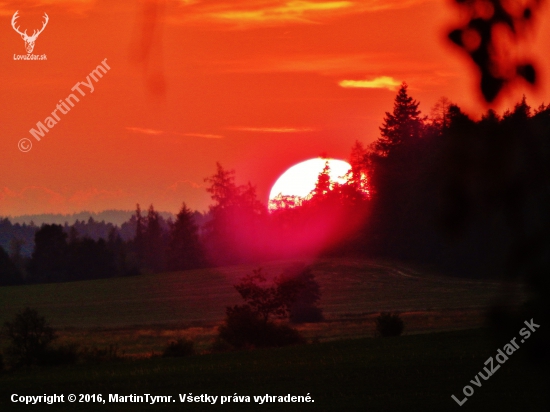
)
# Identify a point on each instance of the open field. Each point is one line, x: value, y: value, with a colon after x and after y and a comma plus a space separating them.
x: 350, y: 288
x: 141, y: 314
x: 342, y: 367
x: 410, y: 373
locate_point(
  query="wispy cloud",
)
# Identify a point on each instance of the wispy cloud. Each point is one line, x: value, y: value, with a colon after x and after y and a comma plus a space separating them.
x: 156, y: 132
x: 8, y: 7
x: 377, y: 5
x: 144, y: 130
x: 243, y: 13
x: 203, y: 135
x: 253, y: 13
x: 283, y: 11
x: 383, y: 82
x: 272, y: 129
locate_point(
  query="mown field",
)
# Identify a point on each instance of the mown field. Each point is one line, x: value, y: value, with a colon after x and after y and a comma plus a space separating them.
x: 410, y: 373
x: 141, y: 314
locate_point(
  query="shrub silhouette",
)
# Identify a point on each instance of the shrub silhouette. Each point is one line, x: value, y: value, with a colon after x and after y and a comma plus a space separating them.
x: 30, y: 337
x: 389, y: 324
x: 259, y: 323
x: 179, y: 348
x: 246, y: 328
x: 299, y: 292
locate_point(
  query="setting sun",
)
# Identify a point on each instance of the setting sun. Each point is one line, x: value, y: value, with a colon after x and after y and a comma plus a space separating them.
x: 299, y: 180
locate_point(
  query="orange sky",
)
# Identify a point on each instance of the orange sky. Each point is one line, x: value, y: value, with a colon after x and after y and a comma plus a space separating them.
x: 258, y: 85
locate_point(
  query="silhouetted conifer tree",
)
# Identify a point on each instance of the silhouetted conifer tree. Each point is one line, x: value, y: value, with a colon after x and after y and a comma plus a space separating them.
x: 233, y: 233
x: 184, y: 248
x: 400, y: 126
x: 49, y: 262
x: 9, y: 275
x: 155, y: 241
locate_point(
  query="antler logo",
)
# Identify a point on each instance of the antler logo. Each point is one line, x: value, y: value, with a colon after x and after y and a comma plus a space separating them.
x: 29, y: 40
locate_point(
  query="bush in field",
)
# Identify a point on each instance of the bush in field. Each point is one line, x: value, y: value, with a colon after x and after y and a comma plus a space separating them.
x: 300, y: 292
x: 245, y: 328
x: 179, y: 348
x: 258, y: 323
x: 389, y: 324
x: 30, y: 337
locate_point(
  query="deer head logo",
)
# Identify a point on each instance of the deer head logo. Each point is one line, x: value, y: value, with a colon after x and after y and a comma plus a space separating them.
x: 29, y: 40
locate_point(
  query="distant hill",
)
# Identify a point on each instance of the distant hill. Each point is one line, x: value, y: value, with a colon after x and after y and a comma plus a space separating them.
x: 116, y: 217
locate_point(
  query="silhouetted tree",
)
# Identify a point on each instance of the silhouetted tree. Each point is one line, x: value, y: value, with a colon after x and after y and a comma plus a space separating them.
x: 357, y: 177
x: 90, y: 259
x: 16, y: 255
x: 439, y: 115
x: 300, y: 291
x: 324, y: 184
x: 263, y: 300
x: 139, y: 240
x: 293, y: 291
x: 253, y: 324
x: 399, y: 169
x: 400, y: 126
x: 184, y: 248
x: 495, y: 202
x: 155, y: 241
x: 21, y: 232
x: 151, y: 239
x: 49, y: 262
x: 9, y: 275
x: 284, y: 202
x: 233, y: 233
x: 125, y: 258
x: 56, y: 260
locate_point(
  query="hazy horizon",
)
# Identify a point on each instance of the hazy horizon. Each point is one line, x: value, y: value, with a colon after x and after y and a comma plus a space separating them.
x: 116, y: 217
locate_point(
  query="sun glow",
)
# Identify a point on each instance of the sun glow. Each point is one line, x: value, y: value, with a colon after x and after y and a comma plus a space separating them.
x: 298, y: 181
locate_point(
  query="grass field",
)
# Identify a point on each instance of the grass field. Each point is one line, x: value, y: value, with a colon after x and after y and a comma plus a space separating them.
x: 342, y: 367
x: 410, y: 373
x: 141, y: 314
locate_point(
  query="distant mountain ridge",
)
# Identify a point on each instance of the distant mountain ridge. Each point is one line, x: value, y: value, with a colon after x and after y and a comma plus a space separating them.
x: 116, y: 217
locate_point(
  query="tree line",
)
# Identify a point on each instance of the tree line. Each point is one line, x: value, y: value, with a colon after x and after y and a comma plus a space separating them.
x: 92, y: 250
x: 445, y: 190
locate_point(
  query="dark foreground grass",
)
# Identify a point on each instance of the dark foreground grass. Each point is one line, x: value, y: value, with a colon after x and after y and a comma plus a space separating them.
x: 410, y: 373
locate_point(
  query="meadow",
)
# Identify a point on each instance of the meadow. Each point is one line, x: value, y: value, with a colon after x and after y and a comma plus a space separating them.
x: 342, y: 366
x: 141, y: 314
